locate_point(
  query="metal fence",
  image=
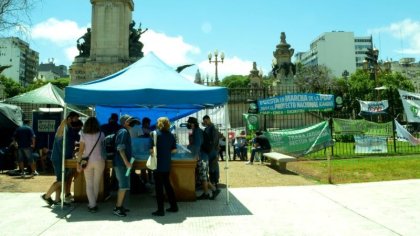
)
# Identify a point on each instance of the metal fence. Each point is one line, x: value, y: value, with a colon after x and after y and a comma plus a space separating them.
x: 240, y: 98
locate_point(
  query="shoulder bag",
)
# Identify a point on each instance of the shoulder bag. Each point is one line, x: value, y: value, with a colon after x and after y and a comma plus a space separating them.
x: 152, y: 160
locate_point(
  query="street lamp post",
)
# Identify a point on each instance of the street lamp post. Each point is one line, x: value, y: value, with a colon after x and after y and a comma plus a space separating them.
x: 216, y: 61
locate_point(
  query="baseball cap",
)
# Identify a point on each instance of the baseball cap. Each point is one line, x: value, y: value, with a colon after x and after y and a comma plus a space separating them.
x: 130, y: 119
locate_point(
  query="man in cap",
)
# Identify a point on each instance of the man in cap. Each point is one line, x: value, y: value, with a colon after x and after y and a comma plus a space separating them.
x: 121, y: 161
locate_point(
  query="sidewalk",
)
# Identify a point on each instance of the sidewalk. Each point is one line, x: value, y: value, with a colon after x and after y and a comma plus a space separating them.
x: 383, y: 208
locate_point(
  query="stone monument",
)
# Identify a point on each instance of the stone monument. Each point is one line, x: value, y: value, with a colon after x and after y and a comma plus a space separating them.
x: 255, y: 77
x: 111, y: 45
x: 198, y: 79
x: 283, y: 68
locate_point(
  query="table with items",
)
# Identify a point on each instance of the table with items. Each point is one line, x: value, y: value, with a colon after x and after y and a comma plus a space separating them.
x: 182, y: 174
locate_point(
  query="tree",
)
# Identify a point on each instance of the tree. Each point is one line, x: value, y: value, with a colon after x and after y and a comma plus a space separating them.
x: 361, y: 86
x: 15, y: 14
x: 11, y: 87
x: 313, y: 79
x: 235, y: 81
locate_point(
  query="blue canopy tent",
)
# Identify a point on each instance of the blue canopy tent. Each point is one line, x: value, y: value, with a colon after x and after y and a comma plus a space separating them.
x: 147, y: 85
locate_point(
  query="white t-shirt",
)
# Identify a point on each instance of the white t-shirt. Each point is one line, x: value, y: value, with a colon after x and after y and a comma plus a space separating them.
x: 89, y: 140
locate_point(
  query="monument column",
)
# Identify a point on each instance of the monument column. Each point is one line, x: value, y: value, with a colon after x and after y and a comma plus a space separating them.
x: 110, y: 31
x: 104, y: 49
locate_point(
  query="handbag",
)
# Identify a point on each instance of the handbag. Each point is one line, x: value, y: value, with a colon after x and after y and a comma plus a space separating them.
x: 152, y: 160
x: 84, y: 161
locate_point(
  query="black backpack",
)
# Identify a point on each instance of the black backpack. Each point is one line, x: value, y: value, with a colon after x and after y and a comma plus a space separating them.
x: 109, y: 146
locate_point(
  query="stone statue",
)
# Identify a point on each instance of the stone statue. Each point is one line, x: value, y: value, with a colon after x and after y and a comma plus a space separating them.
x: 135, y: 47
x: 84, y: 47
x: 283, y: 54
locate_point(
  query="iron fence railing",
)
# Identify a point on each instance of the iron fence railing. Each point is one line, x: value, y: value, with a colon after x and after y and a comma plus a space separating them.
x: 239, y: 99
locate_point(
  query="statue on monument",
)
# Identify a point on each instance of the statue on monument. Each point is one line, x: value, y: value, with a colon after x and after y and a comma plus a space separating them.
x: 84, y: 47
x: 283, y: 66
x: 135, y: 47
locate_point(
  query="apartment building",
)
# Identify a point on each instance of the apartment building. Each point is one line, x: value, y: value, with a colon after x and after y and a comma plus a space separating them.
x: 23, y: 61
x: 338, y: 50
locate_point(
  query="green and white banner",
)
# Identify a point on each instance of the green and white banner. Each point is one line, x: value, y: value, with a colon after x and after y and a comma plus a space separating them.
x: 252, y: 122
x: 411, y: 104
x: 296, y: 103
x: 342, y: 126
x: 301, y: 141
x: 370, y: 144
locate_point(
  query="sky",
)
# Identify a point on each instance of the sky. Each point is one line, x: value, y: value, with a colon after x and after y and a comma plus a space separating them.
x: 185, y: 31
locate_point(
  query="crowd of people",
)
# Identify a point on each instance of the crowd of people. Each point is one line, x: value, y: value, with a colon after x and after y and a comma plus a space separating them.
x: 85, y: 143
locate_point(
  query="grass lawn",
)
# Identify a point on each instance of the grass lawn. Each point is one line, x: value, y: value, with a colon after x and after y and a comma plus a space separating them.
x: 355, y: 170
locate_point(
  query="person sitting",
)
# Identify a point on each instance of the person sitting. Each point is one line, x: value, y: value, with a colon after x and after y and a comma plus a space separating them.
x: 222, y: 145
x: 261, y: 145
x: 240, y: 147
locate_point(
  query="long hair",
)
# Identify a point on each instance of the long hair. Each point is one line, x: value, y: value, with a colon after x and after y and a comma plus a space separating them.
x: 91, y: 126
x: 163, y: 124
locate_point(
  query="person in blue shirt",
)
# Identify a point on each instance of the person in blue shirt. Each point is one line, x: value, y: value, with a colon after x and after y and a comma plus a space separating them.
x: 165, y: 146
x: 66, y: 127
x: 121, y: 161
x: 25, y: 138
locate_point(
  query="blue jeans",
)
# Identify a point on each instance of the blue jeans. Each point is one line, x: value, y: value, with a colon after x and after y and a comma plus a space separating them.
x: 214, y: 172
x: 123, y: 181
x: 258, y: 150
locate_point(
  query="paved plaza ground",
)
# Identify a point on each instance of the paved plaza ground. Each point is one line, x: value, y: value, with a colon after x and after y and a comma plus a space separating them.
x: 383, y: 208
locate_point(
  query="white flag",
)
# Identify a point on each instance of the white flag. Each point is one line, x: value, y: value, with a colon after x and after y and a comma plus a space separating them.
x: 404, y: 134
x: 411, y: 104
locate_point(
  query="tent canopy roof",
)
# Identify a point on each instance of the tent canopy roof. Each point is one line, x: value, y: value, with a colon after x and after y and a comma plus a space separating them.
x: 10, y: 116
x: 47, y: 94
x: 149, y: 82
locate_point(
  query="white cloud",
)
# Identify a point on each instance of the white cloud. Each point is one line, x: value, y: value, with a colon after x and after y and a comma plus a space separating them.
x: 58, y: 32
x: 230, y: 66
x: 172, y: 50
x: 71, y: 53
x: 406, y: 30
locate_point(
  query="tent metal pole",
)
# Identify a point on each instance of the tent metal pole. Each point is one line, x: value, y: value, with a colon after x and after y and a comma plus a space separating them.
x: 226, y: 151
x: 63, y: 159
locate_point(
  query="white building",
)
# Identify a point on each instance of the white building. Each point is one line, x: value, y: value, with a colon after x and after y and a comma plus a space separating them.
x: 338, y: 50
x: 23, y: 60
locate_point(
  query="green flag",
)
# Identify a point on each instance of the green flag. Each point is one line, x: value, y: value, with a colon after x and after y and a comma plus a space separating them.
x: 251, y: 121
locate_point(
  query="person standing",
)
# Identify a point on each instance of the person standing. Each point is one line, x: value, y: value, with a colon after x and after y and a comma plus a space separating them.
x: 25, y: 138
x: 110, y: 181
x: 91, y: 146
x: 261, y: 145
x: 213, y: 146
x: 165, y: 146
x: 202, y: 160
x: 121, y: 162
x: 57, y: 152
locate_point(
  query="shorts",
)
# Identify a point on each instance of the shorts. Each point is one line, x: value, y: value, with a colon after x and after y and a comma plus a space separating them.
x: 25, y: 154
x: 123, y: 181
x: 203, y: 170
x: 58, y: 164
